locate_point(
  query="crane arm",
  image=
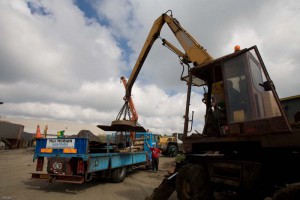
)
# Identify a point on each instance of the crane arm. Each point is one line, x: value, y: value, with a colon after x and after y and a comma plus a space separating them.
x: 194, y: 52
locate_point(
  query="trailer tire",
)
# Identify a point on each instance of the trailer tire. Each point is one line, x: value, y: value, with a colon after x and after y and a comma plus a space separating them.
x: 118, y: 174
x: 192, y: 182
x: 172, y: 150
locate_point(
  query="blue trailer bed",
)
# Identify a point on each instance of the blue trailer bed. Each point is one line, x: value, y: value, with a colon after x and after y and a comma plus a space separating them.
x: 70, y: 160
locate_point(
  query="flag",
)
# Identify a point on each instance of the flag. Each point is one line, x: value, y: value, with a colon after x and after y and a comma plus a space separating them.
x: 60, y: 134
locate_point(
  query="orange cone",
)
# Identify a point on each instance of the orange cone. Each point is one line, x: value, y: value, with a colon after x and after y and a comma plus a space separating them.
x: 38, y: 132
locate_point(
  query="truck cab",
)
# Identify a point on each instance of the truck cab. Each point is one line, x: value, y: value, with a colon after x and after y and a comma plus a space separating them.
x: 121, y: 141
x: 171, y: 145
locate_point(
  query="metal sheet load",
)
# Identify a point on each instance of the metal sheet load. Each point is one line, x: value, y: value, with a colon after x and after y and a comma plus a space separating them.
x: 122, y: 125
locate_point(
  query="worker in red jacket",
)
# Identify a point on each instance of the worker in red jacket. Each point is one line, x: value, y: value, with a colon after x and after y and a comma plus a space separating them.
x: 155, y: 157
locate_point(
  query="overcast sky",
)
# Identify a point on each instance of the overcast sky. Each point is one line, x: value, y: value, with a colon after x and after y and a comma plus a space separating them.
x: 62, y: 60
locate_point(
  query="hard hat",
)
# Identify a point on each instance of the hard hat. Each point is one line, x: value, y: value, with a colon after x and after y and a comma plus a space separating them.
x: 237, y: 48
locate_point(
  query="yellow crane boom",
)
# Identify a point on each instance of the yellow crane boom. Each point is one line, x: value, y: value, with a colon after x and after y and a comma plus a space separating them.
x: 194, y: 52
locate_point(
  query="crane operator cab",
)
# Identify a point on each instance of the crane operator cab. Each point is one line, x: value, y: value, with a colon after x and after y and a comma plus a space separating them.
x: 240, y: 97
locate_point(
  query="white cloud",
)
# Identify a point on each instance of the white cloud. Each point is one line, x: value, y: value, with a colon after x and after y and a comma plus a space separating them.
x: 59, y: 112
x: 58, y: 49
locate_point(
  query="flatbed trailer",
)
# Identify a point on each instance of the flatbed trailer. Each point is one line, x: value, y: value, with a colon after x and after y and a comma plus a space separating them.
x: 73, y: 160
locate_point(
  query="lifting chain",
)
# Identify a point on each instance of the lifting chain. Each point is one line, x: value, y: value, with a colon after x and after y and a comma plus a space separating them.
x: 124, y: 112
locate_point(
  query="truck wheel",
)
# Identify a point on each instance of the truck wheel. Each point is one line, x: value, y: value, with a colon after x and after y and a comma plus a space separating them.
x: 88, y: 176
x: 289, y: 193
x: 148, y: 166
x: 192, y: 182
x: 172, y: 151
x: 118, y: 174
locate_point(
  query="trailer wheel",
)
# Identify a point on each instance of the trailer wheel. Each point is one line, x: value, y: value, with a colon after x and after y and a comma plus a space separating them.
x: 192, y: 182
x: 118, y: 174
x: 172, y: 150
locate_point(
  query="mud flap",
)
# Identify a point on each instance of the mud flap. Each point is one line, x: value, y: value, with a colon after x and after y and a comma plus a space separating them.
x: 165, y: 189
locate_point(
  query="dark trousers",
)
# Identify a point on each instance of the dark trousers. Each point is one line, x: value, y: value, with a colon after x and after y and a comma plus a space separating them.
x: 155, y: 162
